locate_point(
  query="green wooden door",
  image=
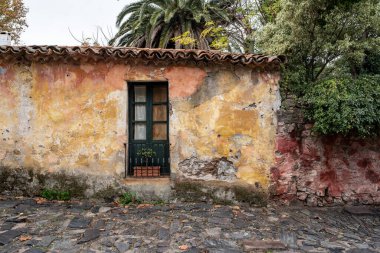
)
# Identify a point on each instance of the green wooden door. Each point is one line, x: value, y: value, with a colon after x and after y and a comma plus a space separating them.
x: 148, y: 126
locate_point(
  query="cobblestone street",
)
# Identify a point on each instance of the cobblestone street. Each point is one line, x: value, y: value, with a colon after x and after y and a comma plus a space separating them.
x: 28, y: 225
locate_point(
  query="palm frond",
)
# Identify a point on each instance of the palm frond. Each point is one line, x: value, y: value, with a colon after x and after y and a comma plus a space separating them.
x: 153, y: 23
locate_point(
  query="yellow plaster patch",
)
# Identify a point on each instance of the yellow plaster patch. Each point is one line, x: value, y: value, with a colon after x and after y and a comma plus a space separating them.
x: 222, y: 127
x: 254, y: 175
x: 83, y: 160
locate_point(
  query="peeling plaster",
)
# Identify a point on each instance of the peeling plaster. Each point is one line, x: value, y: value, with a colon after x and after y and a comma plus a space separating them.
x: 74, y: 117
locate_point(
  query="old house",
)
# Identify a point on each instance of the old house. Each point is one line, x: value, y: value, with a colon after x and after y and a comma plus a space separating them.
x: 119, y: 114
x: 168, y: 123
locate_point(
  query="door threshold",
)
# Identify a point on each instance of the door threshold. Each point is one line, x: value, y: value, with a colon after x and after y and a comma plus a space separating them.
x: 147, y: 179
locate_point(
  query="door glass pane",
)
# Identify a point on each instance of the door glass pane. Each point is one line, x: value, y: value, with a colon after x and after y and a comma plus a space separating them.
x: 140, y: 112
x: 160, y: 94
x: 140, y: 93
x: 160, y: 131
x: 159, y: 113
x: 140, y: 131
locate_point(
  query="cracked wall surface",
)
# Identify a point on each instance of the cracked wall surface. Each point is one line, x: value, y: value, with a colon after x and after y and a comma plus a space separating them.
x: 73, y: 117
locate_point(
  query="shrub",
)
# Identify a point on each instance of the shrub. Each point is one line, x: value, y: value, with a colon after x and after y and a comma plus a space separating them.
x: 345, y: 105
x: 56, y: 195
x: 129, y: 198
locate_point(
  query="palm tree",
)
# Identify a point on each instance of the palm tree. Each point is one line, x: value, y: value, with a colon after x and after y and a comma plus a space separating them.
x: 154, y: 23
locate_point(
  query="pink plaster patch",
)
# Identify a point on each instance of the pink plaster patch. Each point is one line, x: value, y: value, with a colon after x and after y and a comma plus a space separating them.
x: 184, y: 81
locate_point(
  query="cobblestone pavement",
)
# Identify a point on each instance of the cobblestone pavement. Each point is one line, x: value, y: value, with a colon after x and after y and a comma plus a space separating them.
x: 28, y: 226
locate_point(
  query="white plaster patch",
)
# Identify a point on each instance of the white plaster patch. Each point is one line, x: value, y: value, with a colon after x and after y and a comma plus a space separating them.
x: 120, y: 96
x: 26, y: 109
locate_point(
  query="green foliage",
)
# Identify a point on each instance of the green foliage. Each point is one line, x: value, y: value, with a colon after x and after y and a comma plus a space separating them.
x: 321, y: 36
x: 333, y: 64
x: 158, y: 202
x: 146, y: 153
x: 185, y: 39
x: 129, y: 198
x: 345, y: 106
x: 13, y: 17
x: 154, y: 23
x: 317, y: 34
x: 270, y: 9
x: 212, y: 32
x: 217, y: 34
x: 52, y: 194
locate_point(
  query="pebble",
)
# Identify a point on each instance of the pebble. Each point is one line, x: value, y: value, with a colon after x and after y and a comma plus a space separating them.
x: 79, y: 222
x: 89, y: 235
x: 104, y: 209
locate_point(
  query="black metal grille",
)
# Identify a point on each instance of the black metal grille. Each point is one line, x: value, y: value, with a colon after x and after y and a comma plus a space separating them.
x: 156, y: 166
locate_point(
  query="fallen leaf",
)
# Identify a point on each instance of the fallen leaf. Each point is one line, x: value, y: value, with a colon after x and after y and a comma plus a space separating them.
x: 144, y: 206
x: 183, y: 247
x: 24, y: 238
x: 40, y: 200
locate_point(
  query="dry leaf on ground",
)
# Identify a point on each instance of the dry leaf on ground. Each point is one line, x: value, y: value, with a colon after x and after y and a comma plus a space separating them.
x: 144, y: 205
x: 40, y: 200
x: 183, y: 247
x: 24, y: 238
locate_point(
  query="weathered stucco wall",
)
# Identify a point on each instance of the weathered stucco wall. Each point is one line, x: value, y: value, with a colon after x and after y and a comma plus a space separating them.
x: 59, y: 116
x: 73, y: 117
x: 323, y: 170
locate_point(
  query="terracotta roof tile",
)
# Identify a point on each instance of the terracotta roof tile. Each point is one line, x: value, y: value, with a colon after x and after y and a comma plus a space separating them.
x: 56, y: 53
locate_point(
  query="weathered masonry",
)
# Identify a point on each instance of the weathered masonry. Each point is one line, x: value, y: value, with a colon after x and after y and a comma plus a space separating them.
x: 109, y: 116
x: 323, y: 170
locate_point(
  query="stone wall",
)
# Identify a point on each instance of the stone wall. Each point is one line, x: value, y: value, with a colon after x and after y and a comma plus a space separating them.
x: 72, y: 118
x: 323, y: 170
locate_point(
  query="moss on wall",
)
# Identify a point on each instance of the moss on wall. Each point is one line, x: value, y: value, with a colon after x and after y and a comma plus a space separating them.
x: 30, y: 182
x: 219, y: 192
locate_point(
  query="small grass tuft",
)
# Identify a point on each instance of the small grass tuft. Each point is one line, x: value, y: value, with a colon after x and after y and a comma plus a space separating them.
x: 52, y: 194
x: 157, y: 202
x: 129, y: 198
